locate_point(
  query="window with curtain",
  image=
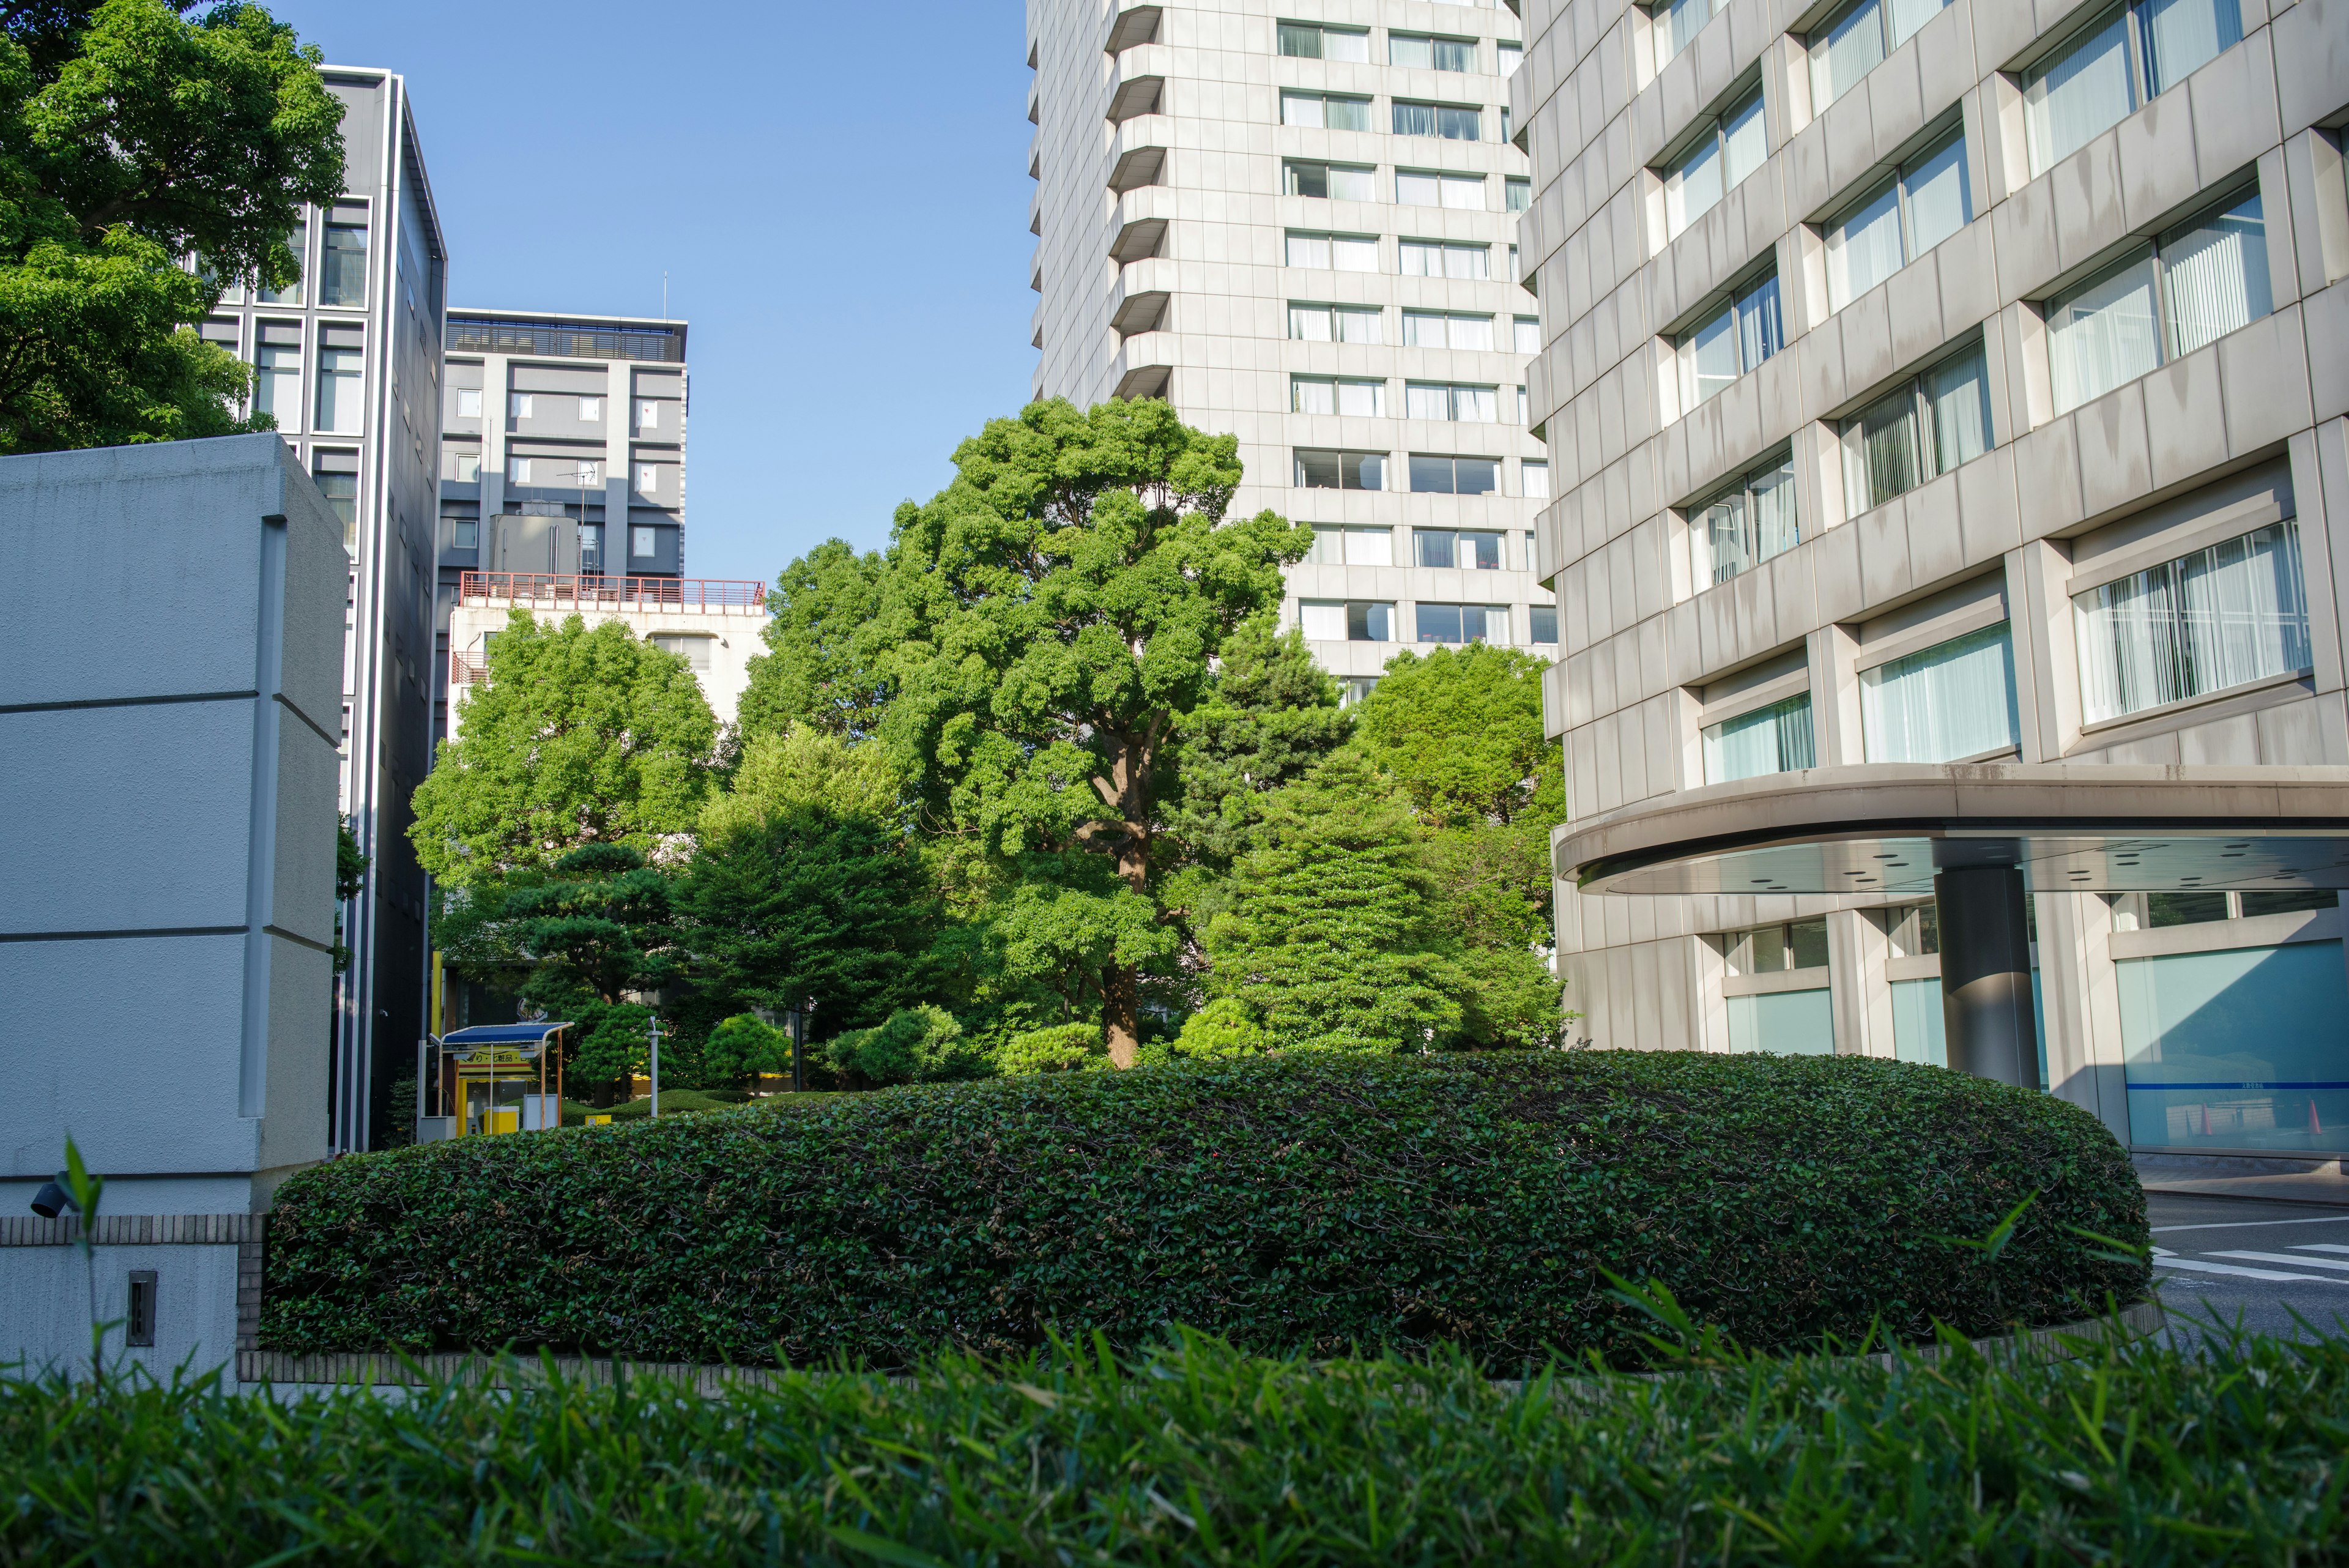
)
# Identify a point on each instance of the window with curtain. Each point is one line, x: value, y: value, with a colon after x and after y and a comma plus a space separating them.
x: 1439, y: 475
x: 1351, y: 396
x: 1731, y: 341
x: 1341, y: 470
x: 1432, y: 258
x: 1450, y: 400
x: 1525, y: 334
x: 1309, y: 41
x: 1544, y: 624
x: 1924, y: 202
x: 1325, y: 111
x: 2223, y: 617
x: 1855, y: 39
x: 2127, y: 55
x: 1536, y: 479
x: 2194, y: 284
x: 1330, y: 181
x: 1448, y: 121
x: 1517, y: 193
x: 1356, y: 621
x: 1343, y: 545
x: 341, y: 264
x: 1450, y: 549
x: 1920, y: 431
x: 1422, y: 52
x: 1727, y: 149
x: 1339, y: 252
x: 338, y: 391
x: 1428, y: 188
x: 1446, y: 329
x: 1333, y: 323
x: 1509, y: 54
x: 298, y: 242
x: 1747, y: 524
x: 1677, y: 23
x: 277, y: 384
x: 340, y: 486
x: 1772, y: 740
x: 1950, y: 701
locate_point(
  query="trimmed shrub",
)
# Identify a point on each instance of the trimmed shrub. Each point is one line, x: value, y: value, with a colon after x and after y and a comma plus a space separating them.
x: 1305, y: 1204
x: 1062, y: 1048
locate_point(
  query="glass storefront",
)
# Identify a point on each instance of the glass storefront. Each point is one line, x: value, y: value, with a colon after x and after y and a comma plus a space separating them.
x: 2245, y: 1049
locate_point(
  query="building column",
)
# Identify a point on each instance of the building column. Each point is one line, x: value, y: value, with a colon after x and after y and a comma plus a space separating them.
x: 1986, y: 973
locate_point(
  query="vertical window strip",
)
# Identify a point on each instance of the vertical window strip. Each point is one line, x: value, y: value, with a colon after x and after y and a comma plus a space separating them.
x: 2222, y: 616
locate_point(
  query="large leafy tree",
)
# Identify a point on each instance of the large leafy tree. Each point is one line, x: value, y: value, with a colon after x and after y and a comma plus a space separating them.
x: 132, y: 136
x: 1050, y: 619
x: 1270, y: 715
x: 582, y: 736
x: 823, y: 668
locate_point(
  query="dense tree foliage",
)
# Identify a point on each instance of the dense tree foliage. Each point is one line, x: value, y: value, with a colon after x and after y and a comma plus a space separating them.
x: 132, y: 136
x: 581, y: 736
x: 824, y: 667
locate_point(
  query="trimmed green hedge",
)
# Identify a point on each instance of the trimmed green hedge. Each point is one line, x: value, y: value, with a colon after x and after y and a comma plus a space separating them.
x: 1307, y: 1204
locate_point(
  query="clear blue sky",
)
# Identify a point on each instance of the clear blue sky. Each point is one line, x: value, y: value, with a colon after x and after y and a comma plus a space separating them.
x: 838, y: 195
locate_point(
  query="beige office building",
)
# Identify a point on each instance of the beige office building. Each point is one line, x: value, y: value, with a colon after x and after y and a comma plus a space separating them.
x: 1946, y: 408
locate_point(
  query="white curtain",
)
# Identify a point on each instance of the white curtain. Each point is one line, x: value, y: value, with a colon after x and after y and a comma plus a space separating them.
x: 1470, y: 332
x: 1418, y: 190
x: 1684, y: 20
x: 1709, y: 358
x: 1477, y: 405
x: 1370, y: 547
x: 1536, y: 480
x: 2079, y: 94
x: 2215, y: 276
x: 1692, y: 187
x: 1745, y: 142
x: 1322, y: 622
x: 2234, y: 613
x: 1907, y: 15
x: 1845, y: 53
x: 1955, y: 699
x: 1464, y: 192
x: 1312, y: 395
x: 1775, y: 529
x: 1935, y: 186
x: 1422, y: 260
x: 1302, y: 108
x: 1347, y: 113
x: 1423, y: 329
x: 2183, y: 34
x: 1357, y: 326
x: 1759, y: 334
x: 2103, y: 334
x: 1467, y: 261
x: 1421, y: 402
x: 1364, y: 400
x: 1727, y: 548
x: 1957, y: 398
x: 1354, y: 254
x: 1308, y: 323
x: 1864, y: 249
x: 1773, y: 739
x: 1414, y: 119
x: 1309, y: 250
x: 1348, y: 184
x: 1416, y: 52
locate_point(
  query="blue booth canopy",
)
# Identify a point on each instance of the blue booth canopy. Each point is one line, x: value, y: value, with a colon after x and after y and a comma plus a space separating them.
x: 502, y: 1034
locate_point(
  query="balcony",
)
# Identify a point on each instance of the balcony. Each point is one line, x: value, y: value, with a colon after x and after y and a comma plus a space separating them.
x: 1137, y: 152
x: 1138, y: 221
x: 1137, y: 85
x: 547, y: 590
x: 1144, y: 365
x: 1138, y: 301
x: 469, y: 669
x: 1133, y: 22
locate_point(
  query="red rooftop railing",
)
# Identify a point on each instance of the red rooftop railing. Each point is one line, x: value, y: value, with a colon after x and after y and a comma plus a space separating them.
x: 711, y: 594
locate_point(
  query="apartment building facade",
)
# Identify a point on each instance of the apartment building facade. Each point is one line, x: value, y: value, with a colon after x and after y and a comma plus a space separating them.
x: 349, y: 362
x: 1294, y: 220
x: 1948, y: 398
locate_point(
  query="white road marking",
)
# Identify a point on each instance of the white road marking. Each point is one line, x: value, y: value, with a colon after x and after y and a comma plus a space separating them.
x: 2320, y: 1246
x: 2243, y: 1273
x: 2248, y: 1224
x: 2294, y: 1258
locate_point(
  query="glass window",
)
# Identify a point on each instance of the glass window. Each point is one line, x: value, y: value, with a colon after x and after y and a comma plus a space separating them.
x: 1772, y: 740
x: 342, y: 493
x: 694, y: 651
x: 341, y: 264
x: 1509, y: 54
x: 1430, y: 258
x: 1334, y: 323
x: 469, y: 402
x: 647, y: 414
x: 1747, y: 523
x: 1438, y: 475
x: 647, y: 479
x: 1517, y: 193
x: 1536, y: 479
x: 464, y: 467
x: 1308, y: 41
x: 1677, y: 21
x: 1924, y: 202
x: 338, y: 391
x: 1858, y: 38
x: 1341, y: 470
x: 1342, y: 253
x: 1731, y: 341
x: 1951, y: 700
x: 1545, y: 628
x: 1446, y: 329
x: 1920, y: 431
x: 1341, y: 546
x: 1338, y: 395
x: 2202, y: 280
x: 640, y: 544
x: 298, y: 242
x: 465, y: 533
x: 2238, y: 1049
x: 1422, y: 52
x: 277, y: 383
x: 2130, y: 55
x: 518, y: 471
x: 518, y: 405
x: 1325, y: 111
x: 1461, y: 623
x: 1777, y: 948
x: 591, y: 410
x: 1428, y: 188
x: 587, y: 472
x: 1524, y: 336
x: 1355, y: 620
x: 1726, y: 150
x: 1452, y: 549
x: 2234, y: 613
x: 1330, y: 181
x: 1450, y: 400
x: 1448, y: 121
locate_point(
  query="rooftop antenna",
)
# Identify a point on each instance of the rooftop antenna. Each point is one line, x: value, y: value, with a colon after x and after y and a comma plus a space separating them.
x: 664, y: 295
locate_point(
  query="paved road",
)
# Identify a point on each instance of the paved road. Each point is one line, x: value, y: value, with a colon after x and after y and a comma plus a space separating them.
x: 2259, y: 1261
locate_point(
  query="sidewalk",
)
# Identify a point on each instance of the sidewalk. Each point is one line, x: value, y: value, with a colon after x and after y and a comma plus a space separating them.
x: 2224, y: 1175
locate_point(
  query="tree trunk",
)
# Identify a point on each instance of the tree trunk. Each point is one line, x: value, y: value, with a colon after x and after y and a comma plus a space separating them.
x: 1122, y: 1013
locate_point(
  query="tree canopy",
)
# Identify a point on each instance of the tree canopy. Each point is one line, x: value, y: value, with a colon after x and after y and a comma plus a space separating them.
x: 132, y: 137
x: 582, y: 736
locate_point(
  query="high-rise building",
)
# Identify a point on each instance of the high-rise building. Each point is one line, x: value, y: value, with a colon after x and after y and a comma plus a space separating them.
x: 564, y: 457
x: 1298, y: 227
x: 1946, y: 410
x: 349, y: 362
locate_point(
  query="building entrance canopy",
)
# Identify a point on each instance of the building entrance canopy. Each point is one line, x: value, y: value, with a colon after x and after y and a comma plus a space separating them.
x: 1889, y: 830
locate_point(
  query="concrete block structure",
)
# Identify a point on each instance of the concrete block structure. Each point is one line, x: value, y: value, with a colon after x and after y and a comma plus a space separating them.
x: 349, y: 362
x: 1297, y: 222
x: 168, y: 800
x: 1946, y: 419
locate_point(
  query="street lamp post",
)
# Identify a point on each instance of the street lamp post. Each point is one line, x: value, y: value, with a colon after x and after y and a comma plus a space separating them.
x: 653, y: 1031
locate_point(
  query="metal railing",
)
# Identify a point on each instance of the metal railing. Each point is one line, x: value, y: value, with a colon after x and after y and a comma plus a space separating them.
x: 710, y: 595
x: 466, y: 670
